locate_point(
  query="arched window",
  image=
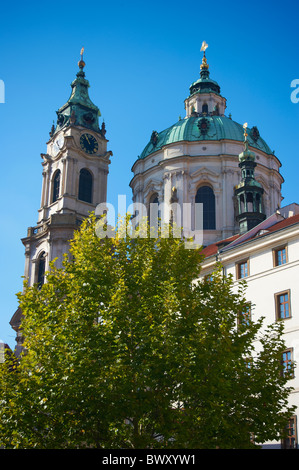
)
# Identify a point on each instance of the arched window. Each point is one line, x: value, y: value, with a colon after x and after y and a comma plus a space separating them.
x: 205, y: 195
x: 41, y: 265
x: 205, y: 108
x: 241, y: 204
x: 56, y: 186
x: 154, y: 199
x: 258, y: 203
x: 153, y: 211
x: 85, y: 186
x: 249, y: 200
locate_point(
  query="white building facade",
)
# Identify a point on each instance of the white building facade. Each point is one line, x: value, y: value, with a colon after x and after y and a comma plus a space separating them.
x: 267, y: 257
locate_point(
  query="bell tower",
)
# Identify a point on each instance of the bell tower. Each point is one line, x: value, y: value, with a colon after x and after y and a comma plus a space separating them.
x: 75, y: 170
x: 248, y: 192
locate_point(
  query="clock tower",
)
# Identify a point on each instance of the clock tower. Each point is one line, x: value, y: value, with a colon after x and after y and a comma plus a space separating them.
x: 75, y: 169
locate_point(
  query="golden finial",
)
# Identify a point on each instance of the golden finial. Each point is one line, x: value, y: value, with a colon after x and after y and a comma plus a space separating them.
x: 203, y: 48
x: 81, y: 62
x: 245, y: 125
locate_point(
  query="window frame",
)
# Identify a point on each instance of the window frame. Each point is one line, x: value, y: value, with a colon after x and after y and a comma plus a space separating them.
x: 82, y: 191
x: 238, y: 269
x: 40, y: 269
x: 285, y: 371
x: 207, y: 197
x: 205, y: 108
x: 275, y: 252
x: 56, y: 186
x: 245, y: 317
x: 153, y: 204
x: 277, y: 295
x: 290, y: 436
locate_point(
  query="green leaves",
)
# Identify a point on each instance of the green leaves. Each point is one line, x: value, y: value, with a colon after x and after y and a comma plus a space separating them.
x: 126, y: 347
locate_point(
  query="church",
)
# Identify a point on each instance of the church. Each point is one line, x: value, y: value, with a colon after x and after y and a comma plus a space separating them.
x: 204, y: 158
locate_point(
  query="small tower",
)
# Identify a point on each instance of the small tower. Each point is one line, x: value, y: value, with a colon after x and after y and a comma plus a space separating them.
x: 75, y: 169
x: 248, y: 192
x: 205, y: 98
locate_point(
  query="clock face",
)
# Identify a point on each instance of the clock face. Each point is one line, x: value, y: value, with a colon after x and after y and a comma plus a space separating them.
x: 88, y: 143
x: 57, y: 144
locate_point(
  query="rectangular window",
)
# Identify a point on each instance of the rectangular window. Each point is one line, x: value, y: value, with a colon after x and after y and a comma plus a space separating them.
x: 280, y: 256
x: 245, y: 316
x: 242, y: 269
x: 290, y: 441
x: 287, y: 363
x: 283, y: 305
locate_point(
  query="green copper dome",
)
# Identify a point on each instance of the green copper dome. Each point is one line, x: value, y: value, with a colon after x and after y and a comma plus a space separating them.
x: 204, y: 128
x: 208, y: 125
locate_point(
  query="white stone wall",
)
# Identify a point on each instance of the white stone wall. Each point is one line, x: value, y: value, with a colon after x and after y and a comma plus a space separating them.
x: 265, y: 280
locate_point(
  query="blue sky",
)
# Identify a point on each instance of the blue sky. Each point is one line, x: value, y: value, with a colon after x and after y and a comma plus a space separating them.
x: 140, y: 59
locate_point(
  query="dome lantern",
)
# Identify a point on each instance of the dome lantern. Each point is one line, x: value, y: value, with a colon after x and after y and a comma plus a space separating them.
x: 205, y: 94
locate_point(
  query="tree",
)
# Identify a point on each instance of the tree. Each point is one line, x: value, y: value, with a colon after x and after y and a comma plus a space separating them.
x: 128, y: 347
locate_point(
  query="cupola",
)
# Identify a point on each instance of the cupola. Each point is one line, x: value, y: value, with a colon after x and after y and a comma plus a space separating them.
x: 205, y: 98
x: 79, y: 109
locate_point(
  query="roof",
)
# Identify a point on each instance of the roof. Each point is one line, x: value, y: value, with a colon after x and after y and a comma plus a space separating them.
x: 218, y: 128
x: 79, y: 109
x: 213, y: 249
x: 204, y: 85
x: 284, y: 224
x: 257, y: 232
